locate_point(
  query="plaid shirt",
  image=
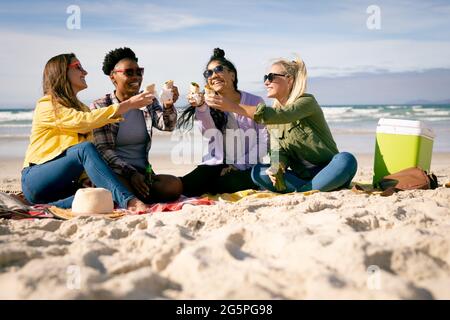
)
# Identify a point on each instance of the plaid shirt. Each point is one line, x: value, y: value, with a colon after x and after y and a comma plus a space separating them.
x: 105, y: 137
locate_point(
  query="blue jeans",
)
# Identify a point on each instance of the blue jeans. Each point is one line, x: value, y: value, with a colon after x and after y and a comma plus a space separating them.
x: 338, y: 173
x: 56, y: 181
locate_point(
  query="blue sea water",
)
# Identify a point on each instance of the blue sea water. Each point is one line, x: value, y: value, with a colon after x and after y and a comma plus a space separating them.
x: 353, y: 126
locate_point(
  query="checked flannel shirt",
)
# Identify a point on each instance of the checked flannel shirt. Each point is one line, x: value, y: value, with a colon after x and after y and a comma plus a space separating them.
x: 155, y: 115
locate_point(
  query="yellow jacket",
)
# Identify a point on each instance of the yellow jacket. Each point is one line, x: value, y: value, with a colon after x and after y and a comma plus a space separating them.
x: 56, y: 128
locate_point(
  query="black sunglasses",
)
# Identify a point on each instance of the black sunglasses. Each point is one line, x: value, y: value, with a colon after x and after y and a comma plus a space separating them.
x: 218, y: 69
x: 271, y: 76
x: 131, y: 72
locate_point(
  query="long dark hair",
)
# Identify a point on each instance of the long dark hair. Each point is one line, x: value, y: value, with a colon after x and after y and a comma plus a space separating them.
x: 186, y: 119
x: 56, y: 83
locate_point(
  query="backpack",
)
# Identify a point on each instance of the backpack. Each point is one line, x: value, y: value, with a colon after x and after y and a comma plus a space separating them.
x: 408, y: 179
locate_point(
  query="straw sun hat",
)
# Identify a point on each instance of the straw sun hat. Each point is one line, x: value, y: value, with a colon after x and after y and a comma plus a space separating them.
x: 92, y: 201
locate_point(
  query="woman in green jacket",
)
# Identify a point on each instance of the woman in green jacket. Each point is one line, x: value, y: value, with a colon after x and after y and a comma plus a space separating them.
x: 304, y: 155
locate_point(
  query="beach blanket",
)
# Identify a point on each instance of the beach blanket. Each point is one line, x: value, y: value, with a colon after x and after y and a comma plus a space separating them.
x: 13, y: 206
x: 251, y: 194
x: 151, y: 208
x: 177, y: 205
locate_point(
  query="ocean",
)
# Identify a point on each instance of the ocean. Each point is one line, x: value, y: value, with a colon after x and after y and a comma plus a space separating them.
x: 353, y: 126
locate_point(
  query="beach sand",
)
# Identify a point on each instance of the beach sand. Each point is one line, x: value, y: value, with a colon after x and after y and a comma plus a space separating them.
x: 334, y: 245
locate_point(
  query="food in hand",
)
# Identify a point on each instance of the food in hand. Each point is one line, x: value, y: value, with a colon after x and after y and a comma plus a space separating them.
x: 166, y: 94
x: 209, y: 92
x: 150, y: 88
x: 168, y: 84
x: 195, y: 93
x: 194, y: 88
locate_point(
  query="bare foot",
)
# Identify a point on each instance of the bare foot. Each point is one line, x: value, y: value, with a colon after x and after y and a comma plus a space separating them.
x: 136, y: 205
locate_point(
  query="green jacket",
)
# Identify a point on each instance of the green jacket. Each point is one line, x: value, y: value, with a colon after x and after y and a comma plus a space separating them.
x: 298, y: 132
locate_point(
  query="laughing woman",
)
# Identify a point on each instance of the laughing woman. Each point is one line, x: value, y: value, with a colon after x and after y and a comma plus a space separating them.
x: 300, y: 137
x: 125, y: 146
x: 60, y: 149
x: 238, y: 143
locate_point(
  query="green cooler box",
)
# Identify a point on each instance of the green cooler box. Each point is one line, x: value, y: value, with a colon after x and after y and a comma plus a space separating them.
x: 401, y: 144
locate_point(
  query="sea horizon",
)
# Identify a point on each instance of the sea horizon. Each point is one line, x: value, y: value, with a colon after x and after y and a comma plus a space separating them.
x: 353, y: 126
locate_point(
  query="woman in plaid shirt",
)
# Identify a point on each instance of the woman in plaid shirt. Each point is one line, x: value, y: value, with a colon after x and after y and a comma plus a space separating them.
x: 125, y: 146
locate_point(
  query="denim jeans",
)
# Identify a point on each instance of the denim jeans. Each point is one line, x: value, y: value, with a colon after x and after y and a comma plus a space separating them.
x: 338, y: 173
x: 56, y: 181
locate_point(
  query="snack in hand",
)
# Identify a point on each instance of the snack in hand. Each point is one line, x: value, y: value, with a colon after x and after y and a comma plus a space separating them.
x: 168, y: 84
x: 194, y: 88
x: 150, y: 88
x: 278, y: 172
x: 166, y: 94
x: 209, y: 91
x: 195, y: 93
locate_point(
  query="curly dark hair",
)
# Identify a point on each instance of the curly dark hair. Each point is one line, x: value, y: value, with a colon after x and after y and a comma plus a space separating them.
x: 114, y: 56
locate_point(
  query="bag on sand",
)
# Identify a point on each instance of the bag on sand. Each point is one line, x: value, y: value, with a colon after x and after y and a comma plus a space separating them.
x: 408, y: 179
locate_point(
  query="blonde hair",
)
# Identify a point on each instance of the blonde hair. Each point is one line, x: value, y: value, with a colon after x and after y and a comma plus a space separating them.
x: 297, y: 70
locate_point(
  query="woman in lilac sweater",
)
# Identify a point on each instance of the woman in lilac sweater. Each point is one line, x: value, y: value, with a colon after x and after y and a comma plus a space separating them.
x: 236, y: 143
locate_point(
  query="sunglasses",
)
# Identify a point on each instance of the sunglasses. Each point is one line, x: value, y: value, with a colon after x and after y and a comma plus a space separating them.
x: 131, y: 72
x: 269, y: 77
x: 218, y: 69
x: 76, y: 65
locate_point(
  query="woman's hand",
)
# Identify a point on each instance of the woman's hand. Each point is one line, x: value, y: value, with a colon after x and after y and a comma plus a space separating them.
x: 175, y: 95
x: 221, y: 103
x: 194, y: 102
x: 141, y: 100
x: 138, y: 184
x: 138, y: 101
x: 272, y: 173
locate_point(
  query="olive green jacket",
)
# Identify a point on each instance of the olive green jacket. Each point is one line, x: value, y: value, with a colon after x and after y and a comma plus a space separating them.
x: 299, y: 134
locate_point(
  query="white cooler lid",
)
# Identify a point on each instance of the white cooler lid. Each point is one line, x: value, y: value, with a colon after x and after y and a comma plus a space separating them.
x: 399, y: 126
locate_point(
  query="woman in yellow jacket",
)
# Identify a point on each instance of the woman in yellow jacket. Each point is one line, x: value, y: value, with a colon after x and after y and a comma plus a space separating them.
x: 60, y: 150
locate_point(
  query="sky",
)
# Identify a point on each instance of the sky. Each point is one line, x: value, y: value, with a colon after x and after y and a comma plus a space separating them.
x: 352, y: 57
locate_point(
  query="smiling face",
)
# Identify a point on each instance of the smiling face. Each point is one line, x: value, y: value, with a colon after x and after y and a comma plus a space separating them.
x: 280, y: 87
x: 221, y: 81
x: 126, y: 85
x: 76, y: 75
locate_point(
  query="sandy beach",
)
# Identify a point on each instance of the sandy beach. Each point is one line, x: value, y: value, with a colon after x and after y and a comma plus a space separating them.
x: 335, y: 245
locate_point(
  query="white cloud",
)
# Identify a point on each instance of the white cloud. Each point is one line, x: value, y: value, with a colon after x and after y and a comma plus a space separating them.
x: 151, y: 30
x: 185, y: 60
x: 147, y: 17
